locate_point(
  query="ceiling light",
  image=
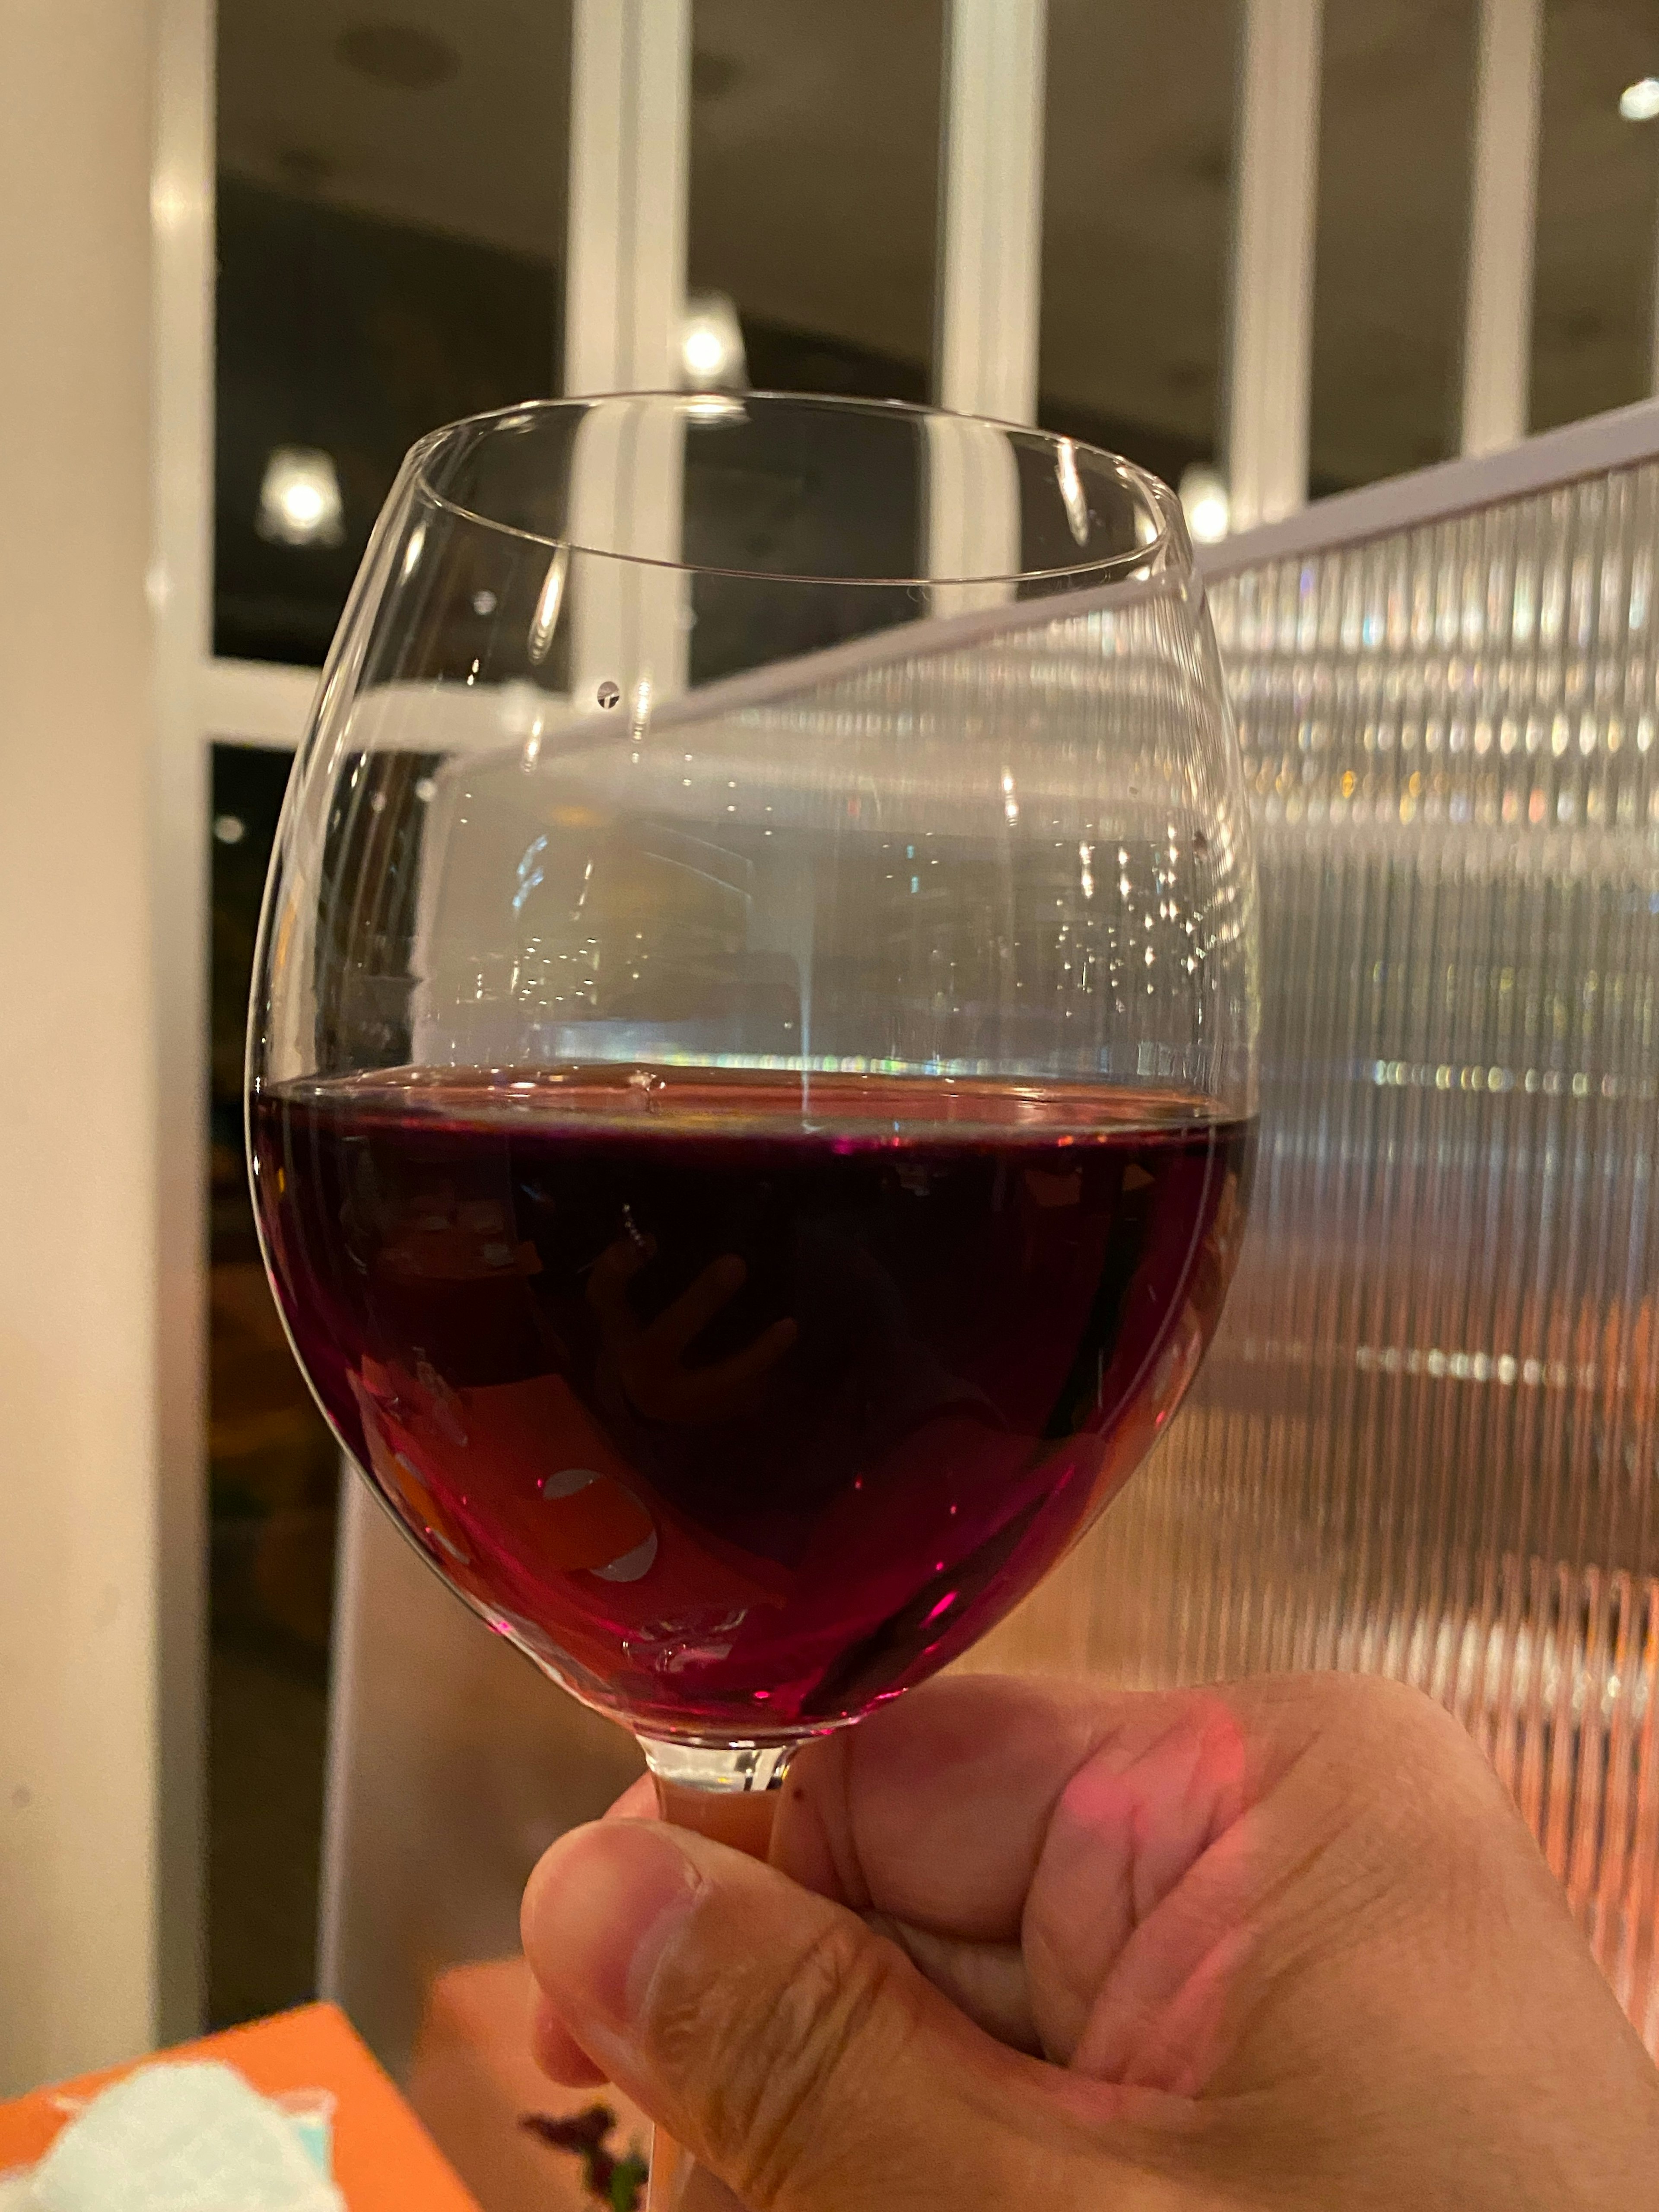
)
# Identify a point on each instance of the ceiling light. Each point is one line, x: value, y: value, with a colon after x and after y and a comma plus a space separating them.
x: 1639, y: 102
x: 1208, y: 507
x: 300, y: 500
x: 711, y: 344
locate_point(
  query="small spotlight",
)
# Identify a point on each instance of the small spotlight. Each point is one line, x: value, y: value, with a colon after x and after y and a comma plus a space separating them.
x: 711, y: 345
x: 1639, y: 102
x: 299, y: 502
x: 1208, y: 507
x: 230, y: 828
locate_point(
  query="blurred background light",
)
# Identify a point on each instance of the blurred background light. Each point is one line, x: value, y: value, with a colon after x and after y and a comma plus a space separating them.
x: 1639, y: 102
x: 299, y: 502
x: 1204, y: 497
x: 711, y: 344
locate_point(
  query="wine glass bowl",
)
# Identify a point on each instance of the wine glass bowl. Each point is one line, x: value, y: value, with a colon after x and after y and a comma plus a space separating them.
x: 751, y: 1064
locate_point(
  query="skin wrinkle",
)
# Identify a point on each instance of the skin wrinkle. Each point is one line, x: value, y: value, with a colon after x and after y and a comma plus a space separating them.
x: 987, y: 1981
x: 1243, y: 1913
x: 1153, y: 1819
x: 836, y: 1997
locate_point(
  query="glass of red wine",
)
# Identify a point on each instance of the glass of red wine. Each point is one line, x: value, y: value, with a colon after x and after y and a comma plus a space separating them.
x: 752, y: 1068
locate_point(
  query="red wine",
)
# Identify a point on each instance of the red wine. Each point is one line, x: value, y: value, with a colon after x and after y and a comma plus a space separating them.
x: 742, y: 1407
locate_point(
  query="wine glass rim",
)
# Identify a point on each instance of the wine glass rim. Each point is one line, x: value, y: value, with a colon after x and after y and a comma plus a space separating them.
x: 1158, y: 501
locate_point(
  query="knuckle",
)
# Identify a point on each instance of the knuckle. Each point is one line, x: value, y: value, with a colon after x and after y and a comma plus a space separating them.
x: 1412, y: 1784
x: 1363, y: 1716
x: 1412, y: 1729
x: 780, y: 2065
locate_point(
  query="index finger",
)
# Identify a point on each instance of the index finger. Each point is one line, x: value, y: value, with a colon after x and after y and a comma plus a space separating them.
x: 934, y: 1810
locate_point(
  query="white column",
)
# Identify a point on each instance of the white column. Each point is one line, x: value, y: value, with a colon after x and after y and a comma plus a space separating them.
x: 181, y: 202
x: 630, y: 75
x: 973, y: 515
x: 630, y: 81
x: 1503, y: 208
x: 991, y: 222
x: 82, y: 1477
x: 1271, y: 323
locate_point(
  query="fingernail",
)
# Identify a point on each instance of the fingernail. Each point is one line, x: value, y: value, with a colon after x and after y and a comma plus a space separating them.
x: 600, y: 1907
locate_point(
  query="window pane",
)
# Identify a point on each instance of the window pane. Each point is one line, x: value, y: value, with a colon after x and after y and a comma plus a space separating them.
x: 1397, y: 113
x: 1138, y: 159
x: 1598, y: 212
x: 274, y: 1471
x: 815, y: 135
x: 390, y: 236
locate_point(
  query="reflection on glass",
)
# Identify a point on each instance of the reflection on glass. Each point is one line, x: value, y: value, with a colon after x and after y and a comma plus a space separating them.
x: 1598, y: 211
x: 390, y: 236
x: 1138, y: 155
x: 814, y: 187
x: 1397, y: 101
x: 1425, y: 1443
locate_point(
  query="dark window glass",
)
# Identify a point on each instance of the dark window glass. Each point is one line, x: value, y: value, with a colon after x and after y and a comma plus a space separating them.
x: 390, y: 242
x: 1396, y: 122
x: 1598, y: 211
x: 815, y: 132
x: 1138, y: 161
x: 274, y: 1473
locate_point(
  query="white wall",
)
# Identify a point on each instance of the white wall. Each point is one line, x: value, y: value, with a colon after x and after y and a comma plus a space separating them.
x: 79, y: 1485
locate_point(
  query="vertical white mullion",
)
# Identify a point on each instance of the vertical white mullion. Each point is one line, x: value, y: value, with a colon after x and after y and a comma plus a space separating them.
x: 630, y: 81
x: 1270, y: 322
x: 181, y: 416
x: 1503, y: 208
x: 630, y: 67
x: 991, y: 216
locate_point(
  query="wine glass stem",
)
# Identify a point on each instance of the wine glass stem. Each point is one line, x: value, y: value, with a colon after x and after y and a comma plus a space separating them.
x: 730, y: 1792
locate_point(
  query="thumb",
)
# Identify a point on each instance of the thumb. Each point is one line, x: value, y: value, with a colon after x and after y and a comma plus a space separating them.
x: 788, y: 2046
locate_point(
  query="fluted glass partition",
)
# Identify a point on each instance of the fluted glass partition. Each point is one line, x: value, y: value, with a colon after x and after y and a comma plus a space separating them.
x: 1425, y: 1443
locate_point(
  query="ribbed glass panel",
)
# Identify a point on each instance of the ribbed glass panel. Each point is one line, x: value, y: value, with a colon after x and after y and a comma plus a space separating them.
x: 1426, y: 1442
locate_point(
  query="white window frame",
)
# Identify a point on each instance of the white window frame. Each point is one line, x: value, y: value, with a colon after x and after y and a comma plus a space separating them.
x: 625, y: 281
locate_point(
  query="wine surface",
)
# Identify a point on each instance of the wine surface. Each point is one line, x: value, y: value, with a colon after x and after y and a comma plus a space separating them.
x: 742, y: 1407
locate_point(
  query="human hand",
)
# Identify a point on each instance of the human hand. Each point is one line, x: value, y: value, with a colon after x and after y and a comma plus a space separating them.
x: 1280, y: 1944
x: 649, y: 1358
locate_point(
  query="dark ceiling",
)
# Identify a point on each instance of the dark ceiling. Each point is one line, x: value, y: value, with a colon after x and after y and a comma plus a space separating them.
x: 813, y: 202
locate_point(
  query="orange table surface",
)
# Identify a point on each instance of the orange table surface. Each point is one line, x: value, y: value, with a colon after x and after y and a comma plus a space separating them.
x: 384, y: 2158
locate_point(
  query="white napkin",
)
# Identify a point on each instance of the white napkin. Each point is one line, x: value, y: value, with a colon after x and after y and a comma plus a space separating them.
x: 177, y: 2137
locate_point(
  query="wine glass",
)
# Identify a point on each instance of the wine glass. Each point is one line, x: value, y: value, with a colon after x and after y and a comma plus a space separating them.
x: 751, y: 1065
